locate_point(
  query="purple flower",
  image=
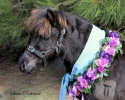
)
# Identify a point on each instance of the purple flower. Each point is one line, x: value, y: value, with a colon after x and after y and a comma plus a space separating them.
x: 73, y: 92
x: 105, y: 55
x: 100, y: 69
x: 113, y: 34
x: 86, y: 77
x: 83, y: 82
x: 79, y: 87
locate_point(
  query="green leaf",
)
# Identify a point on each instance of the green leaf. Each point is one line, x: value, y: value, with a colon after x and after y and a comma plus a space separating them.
x: 109, y: 65
x: 121, y: 51
x: 108, y: 39
x: 105, y: 74
x: 94, y: 65
x: 80, y: 74
x: 86, y: 90
x: 97, y: 54
x: 101, y: 75
x: 106, y: 70
x: 98, y: 80
x: 75, y: 76
x: 118, y: 49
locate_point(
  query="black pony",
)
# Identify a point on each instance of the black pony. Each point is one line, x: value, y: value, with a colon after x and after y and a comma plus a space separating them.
x: 61, y: 34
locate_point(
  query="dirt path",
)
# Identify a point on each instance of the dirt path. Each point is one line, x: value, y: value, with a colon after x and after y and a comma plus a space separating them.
x: 43, y: 84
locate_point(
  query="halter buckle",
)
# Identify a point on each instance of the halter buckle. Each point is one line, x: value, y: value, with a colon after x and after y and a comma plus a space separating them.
x: 63, y: 31
x: 31, y: 49
x: 43, y: 53
x: 59, y: 43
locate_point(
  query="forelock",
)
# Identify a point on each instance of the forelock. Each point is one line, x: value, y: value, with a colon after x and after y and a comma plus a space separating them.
x: 38, y: 22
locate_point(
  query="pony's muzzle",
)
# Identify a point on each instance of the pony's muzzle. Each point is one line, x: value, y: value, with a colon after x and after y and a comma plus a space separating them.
x: 27, y: 63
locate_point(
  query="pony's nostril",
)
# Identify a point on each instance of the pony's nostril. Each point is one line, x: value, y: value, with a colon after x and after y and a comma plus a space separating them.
x: 22, y: 67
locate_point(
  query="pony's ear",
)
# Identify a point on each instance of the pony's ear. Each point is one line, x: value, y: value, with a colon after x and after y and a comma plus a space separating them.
x: 52, y: 16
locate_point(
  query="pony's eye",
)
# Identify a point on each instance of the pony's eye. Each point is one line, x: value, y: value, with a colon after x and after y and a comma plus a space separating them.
x: 45, y: 39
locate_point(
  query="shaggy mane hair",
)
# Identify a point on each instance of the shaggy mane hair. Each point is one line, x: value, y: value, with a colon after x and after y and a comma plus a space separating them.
x: 39, y: 23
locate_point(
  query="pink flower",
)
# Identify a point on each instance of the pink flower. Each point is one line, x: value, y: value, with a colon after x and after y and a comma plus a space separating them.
x: 114, y: 41
x: 100, y: 69
x: 91, y: 72
x: 82, y: 82
x: 106, y: 47
x: 111, y: 51
x: 102, y: 62
x: 95, y: 77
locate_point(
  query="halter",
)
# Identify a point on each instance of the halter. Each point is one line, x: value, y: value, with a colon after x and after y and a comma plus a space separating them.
x: 42, y: 54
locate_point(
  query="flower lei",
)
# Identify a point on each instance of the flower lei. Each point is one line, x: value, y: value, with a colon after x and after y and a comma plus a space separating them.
x: 99, y: 68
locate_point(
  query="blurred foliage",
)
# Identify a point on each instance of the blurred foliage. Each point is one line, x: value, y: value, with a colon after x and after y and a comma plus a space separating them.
x: 109, y: 14
x: 47, y: 3
x: 13, y: 16
x: 14, y: 13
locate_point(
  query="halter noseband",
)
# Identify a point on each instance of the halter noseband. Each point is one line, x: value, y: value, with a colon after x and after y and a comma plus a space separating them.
x: 42, y: 54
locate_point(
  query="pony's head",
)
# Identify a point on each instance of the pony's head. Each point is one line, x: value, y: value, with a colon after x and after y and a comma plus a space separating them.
x: 47, y: 29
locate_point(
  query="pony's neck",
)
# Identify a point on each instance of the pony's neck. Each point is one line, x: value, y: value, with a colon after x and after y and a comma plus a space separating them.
x: 77, y: 34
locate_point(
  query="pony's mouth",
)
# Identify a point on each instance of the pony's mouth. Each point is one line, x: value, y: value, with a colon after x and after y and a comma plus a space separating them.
x: 31, y: 71
x: 27, y: 70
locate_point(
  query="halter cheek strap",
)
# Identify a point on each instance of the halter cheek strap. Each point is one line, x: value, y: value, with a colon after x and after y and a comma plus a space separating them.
x: 59, y: 43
